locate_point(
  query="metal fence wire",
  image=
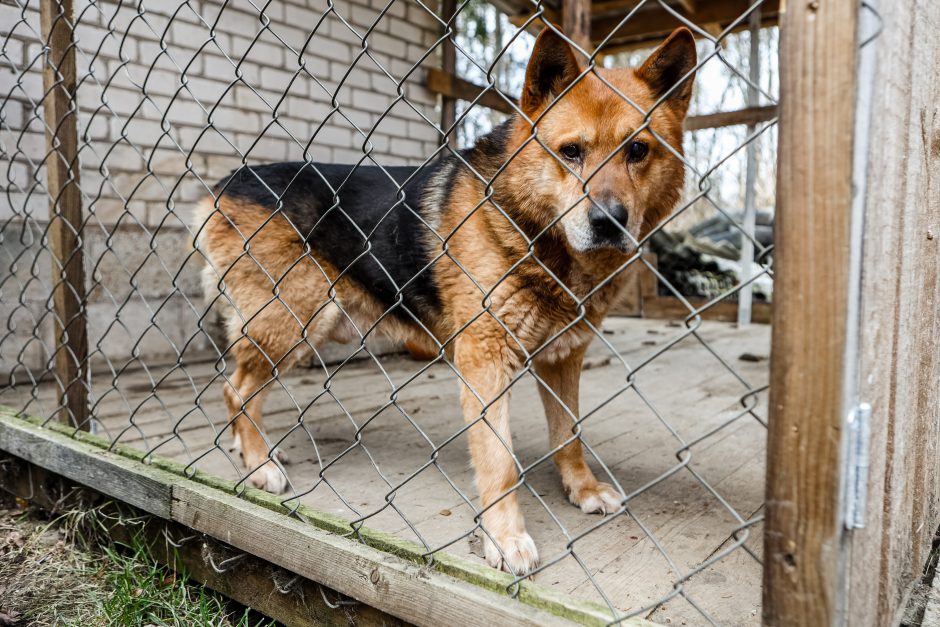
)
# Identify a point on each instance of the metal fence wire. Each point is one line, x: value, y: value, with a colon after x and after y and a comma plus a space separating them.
x: 171, y: 97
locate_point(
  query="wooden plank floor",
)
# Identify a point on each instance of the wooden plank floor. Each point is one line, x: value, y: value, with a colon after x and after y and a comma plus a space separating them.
x: 395, y: 466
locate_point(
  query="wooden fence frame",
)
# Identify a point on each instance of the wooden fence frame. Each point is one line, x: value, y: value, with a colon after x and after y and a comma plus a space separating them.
x: 856, y: 318
x: 843, y: 145
x: 377, y: 569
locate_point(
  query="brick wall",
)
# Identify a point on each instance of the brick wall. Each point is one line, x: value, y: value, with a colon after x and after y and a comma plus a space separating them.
x: 172, y: 97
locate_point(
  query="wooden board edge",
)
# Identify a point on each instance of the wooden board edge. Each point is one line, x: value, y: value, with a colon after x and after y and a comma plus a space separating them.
x: 208, y: 504
x: 805, y: 544
x: 262, y: 586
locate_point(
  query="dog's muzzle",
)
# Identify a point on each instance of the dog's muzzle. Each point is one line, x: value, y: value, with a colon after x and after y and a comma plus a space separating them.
x: 608, y: 222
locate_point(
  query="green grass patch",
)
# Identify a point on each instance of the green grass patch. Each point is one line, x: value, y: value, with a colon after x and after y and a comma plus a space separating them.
x: 64, y: 570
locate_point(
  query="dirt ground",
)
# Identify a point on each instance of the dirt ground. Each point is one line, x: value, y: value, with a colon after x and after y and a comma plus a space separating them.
x: 55, y: 571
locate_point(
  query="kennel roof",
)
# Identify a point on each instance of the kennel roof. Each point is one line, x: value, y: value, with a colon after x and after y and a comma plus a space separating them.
x: 649, y: 21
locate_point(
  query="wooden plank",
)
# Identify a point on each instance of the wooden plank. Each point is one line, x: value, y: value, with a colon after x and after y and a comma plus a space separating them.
x: 97, y: 469
x: 804, y: 560
x: 65, y: 212
x: 410, y: 591
x: 899, y: 361
x: 651, y: 24
x: 685, y: 384
x: 748, y: 115
x: 647, y: 27
x: 273, y: 591
x: 638, y: 277
x: 451, y: 86
x: 576, y: 22
x: 671, y: 308
x: 449, y: 66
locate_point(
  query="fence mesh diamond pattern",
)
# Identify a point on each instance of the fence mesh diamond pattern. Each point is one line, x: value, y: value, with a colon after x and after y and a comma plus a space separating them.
x: 178, y: 103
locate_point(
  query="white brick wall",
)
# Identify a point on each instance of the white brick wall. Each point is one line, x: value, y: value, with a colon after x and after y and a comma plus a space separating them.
x: 135, y: 88
x: 155, y: 136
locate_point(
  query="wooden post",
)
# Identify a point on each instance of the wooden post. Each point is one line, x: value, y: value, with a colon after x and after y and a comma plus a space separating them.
x: 804, y: 563
x: 576, y: 22
x: 899, y: 360
x: 449, y: 65
x: 65, y: 212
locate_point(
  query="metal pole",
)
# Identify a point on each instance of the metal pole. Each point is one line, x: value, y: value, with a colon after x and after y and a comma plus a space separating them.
x: 65, y: 212
x: 745, y: 296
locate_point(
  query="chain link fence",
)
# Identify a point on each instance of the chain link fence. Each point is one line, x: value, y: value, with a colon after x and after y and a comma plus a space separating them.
x: 377, y: 382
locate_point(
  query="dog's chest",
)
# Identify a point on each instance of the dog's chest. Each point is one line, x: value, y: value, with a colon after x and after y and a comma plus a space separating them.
x: 564, y: 345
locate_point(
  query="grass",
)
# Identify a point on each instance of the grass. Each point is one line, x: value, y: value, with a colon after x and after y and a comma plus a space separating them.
x: 64, y: 570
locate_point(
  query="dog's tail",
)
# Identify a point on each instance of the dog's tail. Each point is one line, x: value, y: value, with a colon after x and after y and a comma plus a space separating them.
x: 219, y: 309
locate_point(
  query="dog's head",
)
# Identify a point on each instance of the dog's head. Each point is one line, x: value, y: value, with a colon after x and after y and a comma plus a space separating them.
x: 597, y: 163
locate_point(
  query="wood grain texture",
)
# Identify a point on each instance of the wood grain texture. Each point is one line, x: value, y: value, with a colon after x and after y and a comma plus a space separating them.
x: 451, y: 86
x: 576, y: 22
x: 449, y: 66
x: 647, y: 27
x: 671, y: 308
x: 899, y: 369
x: 803, y: 538
x: 748, y: 115
x: 273, y: 591
x: 65, y: 212
x: 409, y: 591
x: 653, y: 23
x: 108, y: 472
x: 685, y: 384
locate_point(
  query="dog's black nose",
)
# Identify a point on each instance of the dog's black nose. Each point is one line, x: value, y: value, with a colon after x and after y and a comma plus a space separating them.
x: 608, y: 220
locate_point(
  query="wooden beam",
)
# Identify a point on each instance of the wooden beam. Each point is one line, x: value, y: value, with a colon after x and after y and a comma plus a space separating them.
x: 449, y: 66
x: 253, y: 583
x: 749, y: 116
x: 576, y: 22
x: 652, y: 23
x: 65, y: 212
x: 452, y: 86
x: 612, y: 7
x: 804, y: 552
x: 671, y: 308
x: 257, y: 523
x: 449, y: 85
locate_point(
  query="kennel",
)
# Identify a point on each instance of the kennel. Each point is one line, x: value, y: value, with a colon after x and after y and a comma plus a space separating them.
x: 797, y: 486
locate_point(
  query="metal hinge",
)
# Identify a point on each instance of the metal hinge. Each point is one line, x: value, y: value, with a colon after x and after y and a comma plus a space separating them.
x: 858, y: 427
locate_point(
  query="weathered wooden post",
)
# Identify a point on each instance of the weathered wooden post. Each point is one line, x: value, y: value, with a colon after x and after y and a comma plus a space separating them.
x: 449, y: 65
x: 576, y: 22
x: 65, y: 212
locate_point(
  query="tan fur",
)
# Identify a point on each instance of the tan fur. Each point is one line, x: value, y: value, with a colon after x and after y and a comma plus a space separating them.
x: 279, y: 307
x: 503, y: 301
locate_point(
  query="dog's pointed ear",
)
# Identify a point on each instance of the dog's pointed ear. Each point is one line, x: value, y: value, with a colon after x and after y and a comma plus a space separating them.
x: 668, y: 65
x: 551, y: 69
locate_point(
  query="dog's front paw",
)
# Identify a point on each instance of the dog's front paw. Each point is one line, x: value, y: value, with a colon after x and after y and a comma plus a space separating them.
x: 236, y: 448
x: 518, y: 557
x: 269, y: 478
x: 596, y: 498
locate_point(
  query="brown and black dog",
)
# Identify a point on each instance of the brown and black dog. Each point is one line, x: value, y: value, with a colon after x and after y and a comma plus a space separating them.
x: 492, y: 258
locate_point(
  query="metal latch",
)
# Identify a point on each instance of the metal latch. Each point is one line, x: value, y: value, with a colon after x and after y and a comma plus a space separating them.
x: 858, y: 427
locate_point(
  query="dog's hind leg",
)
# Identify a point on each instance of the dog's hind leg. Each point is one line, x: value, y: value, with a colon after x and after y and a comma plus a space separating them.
x: 559, y: 394
x: 274, y: 292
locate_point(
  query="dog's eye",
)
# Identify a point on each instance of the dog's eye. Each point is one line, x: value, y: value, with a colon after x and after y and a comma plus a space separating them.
x: 571, y: 152
x: 637, y: 151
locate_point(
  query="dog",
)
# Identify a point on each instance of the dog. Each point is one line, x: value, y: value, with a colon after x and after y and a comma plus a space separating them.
x: 498, y: 257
